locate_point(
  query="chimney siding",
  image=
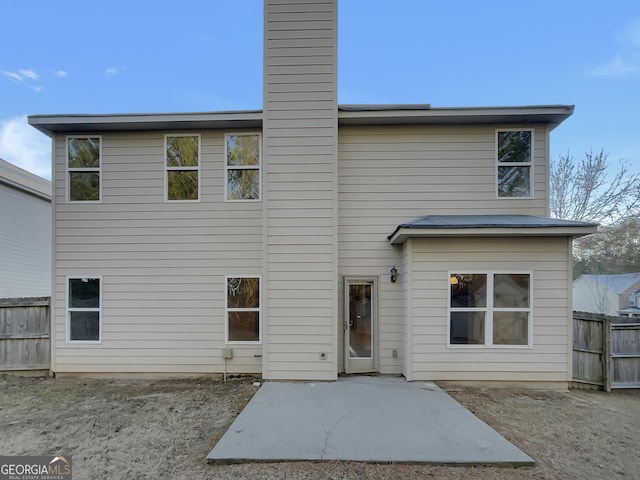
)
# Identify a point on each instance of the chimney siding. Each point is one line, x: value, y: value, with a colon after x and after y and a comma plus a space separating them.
x: 300, y: 145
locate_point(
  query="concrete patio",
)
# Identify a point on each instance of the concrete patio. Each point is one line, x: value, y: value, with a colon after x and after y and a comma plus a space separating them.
x: 361, y: 418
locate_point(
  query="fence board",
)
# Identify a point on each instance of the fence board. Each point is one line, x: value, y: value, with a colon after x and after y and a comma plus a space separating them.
x: 625, y: 339
x: 588, y: 355
x: 625, y: 355
x: 606, y: 350
x: 25, y: 326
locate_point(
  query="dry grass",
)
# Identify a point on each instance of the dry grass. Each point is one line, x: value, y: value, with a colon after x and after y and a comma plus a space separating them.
x: 164, y: 429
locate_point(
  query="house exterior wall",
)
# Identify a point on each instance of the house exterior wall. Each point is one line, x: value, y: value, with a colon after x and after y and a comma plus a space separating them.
x: 162, y: 264
x: 438, y: 170
x: 300, y: 178
x: 624, y: 297
x: 548, y: 359
x: 591, y: 296
x: 406, y: 281
x: 25, y: 244
x: 389, y: 175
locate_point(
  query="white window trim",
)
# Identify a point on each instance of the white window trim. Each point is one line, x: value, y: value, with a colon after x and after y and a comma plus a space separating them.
x: 167, y: 169
x: 516, y: 164
x: 243, y: 167
x: 69, y: 309
x: 489, y: 309
x: 77, y: 169
x: 227, y: 310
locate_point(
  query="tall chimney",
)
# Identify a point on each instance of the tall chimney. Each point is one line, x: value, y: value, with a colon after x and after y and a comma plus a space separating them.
x: 300, y: 161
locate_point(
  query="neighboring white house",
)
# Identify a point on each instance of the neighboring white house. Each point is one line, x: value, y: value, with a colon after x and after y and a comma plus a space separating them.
x: 311, y: 238
x: 25, y: 233
x: 608, y: 294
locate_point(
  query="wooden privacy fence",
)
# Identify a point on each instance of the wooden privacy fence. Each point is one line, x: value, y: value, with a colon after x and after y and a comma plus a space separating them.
x: 25, y: 342
x: 606, y: 350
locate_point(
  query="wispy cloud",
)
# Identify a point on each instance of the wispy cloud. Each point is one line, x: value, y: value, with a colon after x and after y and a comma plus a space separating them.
x: 113, y: 71
x: 20, y: 75
x: 627, y: 60
x: 617, y: 67
x: 11, y: 75
x: 29, y: 74
x: 25, y: 147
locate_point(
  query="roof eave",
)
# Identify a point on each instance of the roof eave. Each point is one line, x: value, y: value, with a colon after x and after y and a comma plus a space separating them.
x: 25, y: 189
x: 365, y: 115
x: 401, y: 234
x: 79, y: 123
x: 348, y: 115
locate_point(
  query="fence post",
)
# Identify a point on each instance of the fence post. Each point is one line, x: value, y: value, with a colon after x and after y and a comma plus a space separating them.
x: 607, y: 364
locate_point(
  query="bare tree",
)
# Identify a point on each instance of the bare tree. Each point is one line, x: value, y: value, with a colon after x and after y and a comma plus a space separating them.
x: 614, y: 249
x: 588, y: 191
x: 601, y: 296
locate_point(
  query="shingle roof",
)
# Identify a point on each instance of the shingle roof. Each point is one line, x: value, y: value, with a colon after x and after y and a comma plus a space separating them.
x: 618, y: 283
x: 490, y: 224
x: 490, y: 221
x: 23, y: 180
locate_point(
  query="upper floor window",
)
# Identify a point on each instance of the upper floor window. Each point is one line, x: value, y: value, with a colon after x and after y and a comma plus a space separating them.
x: 490, y: 309
x: 83, y: 169
x: 242, y: 167
x: 514, y: 153
x: 84, y: 309
x: 182, y: 163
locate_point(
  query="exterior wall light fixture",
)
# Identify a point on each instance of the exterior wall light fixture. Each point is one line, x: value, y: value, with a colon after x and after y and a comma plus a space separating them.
x: 394, y: 274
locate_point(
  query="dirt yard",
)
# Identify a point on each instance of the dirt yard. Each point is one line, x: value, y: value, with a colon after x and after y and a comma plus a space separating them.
x: 117, y: 429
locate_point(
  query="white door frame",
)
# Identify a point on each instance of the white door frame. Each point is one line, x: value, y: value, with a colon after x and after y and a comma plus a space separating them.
x: 354, y: 363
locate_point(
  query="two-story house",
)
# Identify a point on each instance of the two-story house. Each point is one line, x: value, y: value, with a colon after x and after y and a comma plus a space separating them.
x: 308, y: 239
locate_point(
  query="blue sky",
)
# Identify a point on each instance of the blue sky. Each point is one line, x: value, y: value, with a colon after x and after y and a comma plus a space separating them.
x: 75, y: 56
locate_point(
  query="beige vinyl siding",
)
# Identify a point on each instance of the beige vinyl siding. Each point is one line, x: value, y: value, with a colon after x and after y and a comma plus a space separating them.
x: 445, y: 169
x: 300, y: 178
x: 405, y: 352
x: 162, y: 264
x: 389, y: 175
x: 25, y: 244
x: 546, y: 258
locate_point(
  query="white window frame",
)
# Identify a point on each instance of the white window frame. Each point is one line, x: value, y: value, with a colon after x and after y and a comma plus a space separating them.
x: 69, y: 170
x: 69, y: 309
x: 529, y: 164
x: 167, y: 168
x: 489, y: 309
x: 227, y: 310
x: 243, y: 167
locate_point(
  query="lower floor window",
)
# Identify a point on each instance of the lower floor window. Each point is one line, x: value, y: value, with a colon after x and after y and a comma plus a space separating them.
x: 490, y: 309
x: 84, y: 309
x: 243, y: 307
